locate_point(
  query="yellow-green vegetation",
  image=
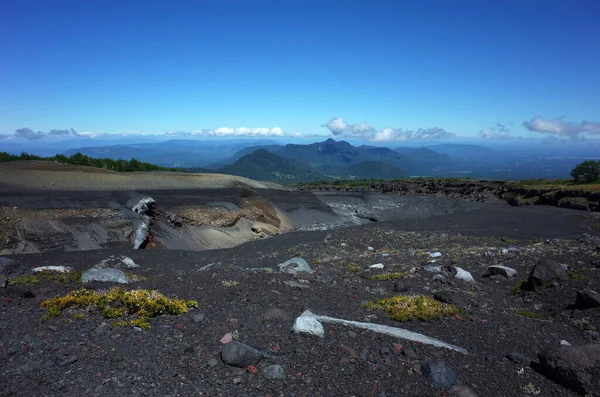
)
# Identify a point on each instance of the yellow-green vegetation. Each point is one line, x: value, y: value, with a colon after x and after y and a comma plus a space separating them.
x: 520, y: 288
x: 139, y: 304
x: 531, y: 389
x: 230, y: 283
x: 135, y: 277
x: 353, y: 268
x: 530, y: 314
x: 575, y: 275
x: 47, y: 275
x: 413, y: 307
x: 388, y: 276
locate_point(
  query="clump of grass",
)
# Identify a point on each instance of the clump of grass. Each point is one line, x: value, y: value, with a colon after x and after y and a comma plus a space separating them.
x: 413, y: 307
x: 531, y: 389
x: 230, y: 283
x: 118, y: 303
x: 353, y: 268
x: 388, y: 276
x: 47, y: 275
x: 530, y: 314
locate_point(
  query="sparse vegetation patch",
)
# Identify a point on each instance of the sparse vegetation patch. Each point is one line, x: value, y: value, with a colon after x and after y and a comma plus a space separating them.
x: 413, y: 307
x: 388, y: 276
x: 139, y: 305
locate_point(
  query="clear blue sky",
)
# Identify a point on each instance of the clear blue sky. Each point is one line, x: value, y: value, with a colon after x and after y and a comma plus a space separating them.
x: 150, y: 67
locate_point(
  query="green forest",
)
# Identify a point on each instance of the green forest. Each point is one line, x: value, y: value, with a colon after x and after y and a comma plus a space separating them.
x: 80, y: 159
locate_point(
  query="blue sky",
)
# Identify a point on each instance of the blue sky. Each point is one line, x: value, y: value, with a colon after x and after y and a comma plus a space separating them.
x: 421, y: 69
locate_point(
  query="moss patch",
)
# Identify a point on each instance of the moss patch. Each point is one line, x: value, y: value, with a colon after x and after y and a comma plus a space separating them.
x: 388, y: 276
x: 413, y: 307
x: 139, y: 304
x: 520, y: 288
x: 47, y: 275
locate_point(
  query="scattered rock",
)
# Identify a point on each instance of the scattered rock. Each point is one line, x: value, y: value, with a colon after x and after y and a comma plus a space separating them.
x: 464, y: 275
x: 294, y: 266
x: 103, y: 328
x: 307, y: 324
x: 518, y: 358
x: 274, y: 372
x: 58, y: 269
x: 440, y: 278
x: 439, y: 375
x: 3, y: 281
x: 117, y: 262
x: 435, y: 254
x: 564, y: 342
x: 69, y: 360
x: 376, y: 266
x: 462, y: 391
x: 543, y: 272
x: 251, y: 325
x: 400, y: 286
x: 575, y: 367
x: 451, y: 297
x: 7, y: 265
x: 227, y: 338
x: 498, y: 270
x: 108, y: 275
x: 141, y: 235
x: 276, y: 313
x: 371, y: 248
x: 144, y: 206
x: 305, y: 276
x: 296, y: 284
x: 237, y: 380
x: 199, y: 317
x: 212, y: 362
x: 587, y: 299
x: 239, y: 354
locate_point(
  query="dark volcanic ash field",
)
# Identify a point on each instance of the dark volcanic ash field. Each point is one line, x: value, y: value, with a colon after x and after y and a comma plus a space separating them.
x: 242, y: 295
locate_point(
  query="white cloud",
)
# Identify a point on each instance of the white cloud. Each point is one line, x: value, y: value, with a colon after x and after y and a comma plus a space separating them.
x: 339, y: 127
x: 560, y: 127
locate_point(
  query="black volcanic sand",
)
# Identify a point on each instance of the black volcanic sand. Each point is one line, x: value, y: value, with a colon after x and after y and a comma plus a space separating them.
x: 66, y: 356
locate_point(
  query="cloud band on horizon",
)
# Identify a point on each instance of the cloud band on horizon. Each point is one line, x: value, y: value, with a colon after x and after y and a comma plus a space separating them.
x: 340, y: 128
x: 560, y: 127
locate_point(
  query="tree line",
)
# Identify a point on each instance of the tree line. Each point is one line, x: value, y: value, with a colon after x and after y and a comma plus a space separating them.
x: 119, y: 165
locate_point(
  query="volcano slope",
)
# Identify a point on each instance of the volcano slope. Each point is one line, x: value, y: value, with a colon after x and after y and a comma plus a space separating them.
x: 245, y: 299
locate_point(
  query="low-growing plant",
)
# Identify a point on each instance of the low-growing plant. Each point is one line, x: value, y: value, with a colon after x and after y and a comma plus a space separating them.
x: 230, y: 283
x: 353, y: 268
x: 116, y: 302
x: 413, y: 307
x: 575, y: 275
x: 530, y: 314
x: 530, y: 389
x: 388, y: 276
x: 47, y: 275
x: 520, y: 288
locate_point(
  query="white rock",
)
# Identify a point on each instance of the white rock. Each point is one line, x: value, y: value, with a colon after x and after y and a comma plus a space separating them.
x: 371, y: 248
x: 501, y: 270
x: 143, y: 205
x: 433, y: 269
x: 462, y: 274
x: 434, y: 254
x: 565, y: 343
x: 308, y: 324
x: 294, y: 266
x: 344, y: 245
x: 386, y: 330
x: 109, y: 275
x: 128, y: 262
x: 376, y: 266
x: 59, y: 269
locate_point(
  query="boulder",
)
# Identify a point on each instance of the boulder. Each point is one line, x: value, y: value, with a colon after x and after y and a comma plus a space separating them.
x: 464, y: 275
x: 451, y: 297
x: 498, y: 270
x: 543, y: 272
x: 7, y: 266
x: 575, y: 367
x: 144, y: 206
x: 274, y: 372
x: 239, y: 354
x: 294, y: 266
x: 587, y: 299
x: 439, y: 374
x: 307, y: 324
x: 108, y: 275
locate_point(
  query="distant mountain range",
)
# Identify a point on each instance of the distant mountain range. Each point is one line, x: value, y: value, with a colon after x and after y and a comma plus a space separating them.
x: 330, y: 159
